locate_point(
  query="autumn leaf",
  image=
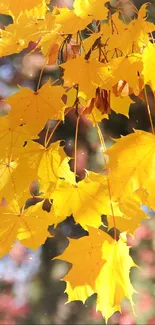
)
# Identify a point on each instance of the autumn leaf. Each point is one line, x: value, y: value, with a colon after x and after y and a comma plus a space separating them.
x: 69, y: 21
x: 75, y: 199
x: 132, y: 215
x: 50, y: 39
x: 84, y: 73
x: 132, y: 37
x: 17, y: 36
x: 126, y: 68
x: 132, y: 164
x: 11, y: 185
x: 29, y: 226
x: 90, y: 41
x: 14, y: 8
x: 50, y: 163
x: 104, y: 270
x: 114, y: 278
x: 104, y: 60
x: 94, y: 8
x: 12, y: 139
x: 148, y: 56
x: 120, y: 104
x: 82, y: 276
x: 36, y: 107
x: 53, y: 54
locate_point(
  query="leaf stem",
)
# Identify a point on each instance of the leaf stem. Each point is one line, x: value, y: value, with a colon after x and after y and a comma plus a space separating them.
x: 46, y: 143
x: 75, y: 145
x: 46, y: 135
x: 148, y: 109
x: 40, y: 76
x: 105, y: 162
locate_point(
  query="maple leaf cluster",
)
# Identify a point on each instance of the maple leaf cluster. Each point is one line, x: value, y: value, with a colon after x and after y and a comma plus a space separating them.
x: 106, y: 70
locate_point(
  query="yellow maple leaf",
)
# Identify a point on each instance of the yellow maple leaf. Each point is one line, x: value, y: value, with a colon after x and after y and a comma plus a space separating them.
x: 132, y: 164
x: 113, y: 283
x: 82, y: 72
x: 75, y: 199
x: 89, y: 41
x: 29, y: 226
x: 122, y: 38
x: 14, y: 8
x: 17, y: 36
x: 148, y: 56
x: 69, y: 21
x: 117, y: 36
x: 94, y: 8
x: 126, y: 68
x: 50, y: 35
x: 131, y: 218
x: 97, y: 116
x: 35, y: 108
x: 11, y: 138
x: 142, y: 13
x: 39, y: 11
x: 50, y: 163
x: 11, y: 185
x: 82, y: 276
x: 105, y: 268
x: 120, y: 104
x: 139, y: 30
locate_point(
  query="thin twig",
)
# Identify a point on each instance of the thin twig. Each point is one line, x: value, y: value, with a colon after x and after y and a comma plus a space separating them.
x: 105, y: 162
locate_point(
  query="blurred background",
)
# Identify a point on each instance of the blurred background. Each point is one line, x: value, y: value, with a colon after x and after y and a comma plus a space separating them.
x: 30, y: 288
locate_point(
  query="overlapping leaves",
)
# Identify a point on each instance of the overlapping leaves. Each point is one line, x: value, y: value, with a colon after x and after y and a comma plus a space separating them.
x: 104, y: 71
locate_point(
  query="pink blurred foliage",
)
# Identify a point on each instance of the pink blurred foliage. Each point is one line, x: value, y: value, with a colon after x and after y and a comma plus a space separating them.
x: 96, y: 315
x: 146, y: 255
x: 126, y: 319
x: 7, y: 320
x: 151, y: 321
x: 62, y: 3
x: 9, y: 306
x: 18, y: 253
x: 145, y: 303
x: 82, y: 160
x: 147, y: 272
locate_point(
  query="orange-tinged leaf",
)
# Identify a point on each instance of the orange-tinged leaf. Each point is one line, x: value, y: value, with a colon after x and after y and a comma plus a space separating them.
x: 143, y: 10
x: 29, y: 226
x: 99, y: 265
x: 35, y: 108
x: 50, y: 39
x: 85, y: 254
x: 53, y: 54
x: 17, y: 36
x: 80, y: 292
